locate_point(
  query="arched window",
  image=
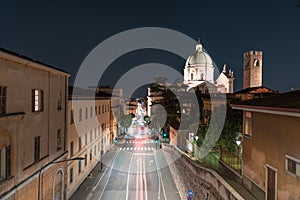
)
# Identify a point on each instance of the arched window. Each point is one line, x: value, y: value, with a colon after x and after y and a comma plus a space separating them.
x: 58, y: 185
x: 192, y: 76
x: 256, y: 63
x: 201, y: 76
x: 5, y: 155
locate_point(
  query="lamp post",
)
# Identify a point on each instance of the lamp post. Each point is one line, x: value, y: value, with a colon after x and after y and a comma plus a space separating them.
x: 101, y: 152
x: 238, y: 142
x: 48, y: 164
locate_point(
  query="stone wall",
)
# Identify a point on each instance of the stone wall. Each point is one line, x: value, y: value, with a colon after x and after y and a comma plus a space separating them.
x: 189, y: 175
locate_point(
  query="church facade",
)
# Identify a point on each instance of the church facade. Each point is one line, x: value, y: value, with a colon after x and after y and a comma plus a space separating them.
x: 199, y: 71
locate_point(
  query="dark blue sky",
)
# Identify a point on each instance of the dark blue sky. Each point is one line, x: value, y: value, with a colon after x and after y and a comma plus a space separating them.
x: 62, y: 33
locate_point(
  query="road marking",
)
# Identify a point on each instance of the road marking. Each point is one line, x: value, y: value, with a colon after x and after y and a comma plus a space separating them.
x: 109, y: 174
x: 137, y: 180
x: 145, y: 178
x: 127, y: 187
x: 141, y: 178
x: 160, y: 180
x: 150, y: 154
x: 158, y: 176
x: 103, y: 174
x: 163, y: 187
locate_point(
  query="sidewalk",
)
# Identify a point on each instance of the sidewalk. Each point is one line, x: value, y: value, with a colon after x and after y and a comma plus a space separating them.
x: 230, y: 178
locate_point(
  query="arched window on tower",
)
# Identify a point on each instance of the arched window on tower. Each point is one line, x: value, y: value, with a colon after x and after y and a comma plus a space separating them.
x: 256, y: 63
x: 192, y: 76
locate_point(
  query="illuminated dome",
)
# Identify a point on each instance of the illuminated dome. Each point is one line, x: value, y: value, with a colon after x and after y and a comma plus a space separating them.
x: 199, y: 57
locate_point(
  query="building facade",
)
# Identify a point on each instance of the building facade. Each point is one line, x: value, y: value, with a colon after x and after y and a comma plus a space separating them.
x: 33, y: 128
x: 88, y: 135
x: 270, y: 146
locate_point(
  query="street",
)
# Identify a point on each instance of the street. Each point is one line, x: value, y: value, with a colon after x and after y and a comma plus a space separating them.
x: 137, y: 170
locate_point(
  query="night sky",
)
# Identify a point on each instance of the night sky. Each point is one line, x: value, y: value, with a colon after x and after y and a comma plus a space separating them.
x: 62, y: 33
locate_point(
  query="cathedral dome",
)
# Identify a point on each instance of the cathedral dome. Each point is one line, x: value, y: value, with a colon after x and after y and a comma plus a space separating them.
x: 199, y: 57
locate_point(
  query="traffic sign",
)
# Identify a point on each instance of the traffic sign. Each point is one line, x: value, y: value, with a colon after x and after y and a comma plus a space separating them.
x: 190, y: 193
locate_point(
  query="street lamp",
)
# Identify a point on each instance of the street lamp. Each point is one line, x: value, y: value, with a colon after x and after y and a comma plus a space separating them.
x: 195, y: 143
x: 238, y: 142
x: 52, y: 163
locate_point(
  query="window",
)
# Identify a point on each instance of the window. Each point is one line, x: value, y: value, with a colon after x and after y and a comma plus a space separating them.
x: 72, y: 116
x: 102, y: 127
x: 91, y: 112
x: 5, y: 163
x: 95, y: 133
x: 59, y: 107
x: 99, y: 110
x: 91, y: 154
x: 99, y: 146
x: 256, y: 63
x: 91, y: 136
x: 95, y: 150
x: 71, y: 175
x: 79, y: 143
x: 248, y: 123
x: 95, y: 110
x: 98, y: 130
x: 79, y: 166
x: 80, y: 114
x: 86, y: 113
x: 3, y: 100
x: 37, y: 100
x: 71, y: 149
x: 85, y: 160
x: 85, y: 139
x: 37, y: 143
x: 293, y: 166
x: 58, y: 140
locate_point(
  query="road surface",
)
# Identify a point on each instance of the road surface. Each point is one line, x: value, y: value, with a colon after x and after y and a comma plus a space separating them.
x: 137, y: 171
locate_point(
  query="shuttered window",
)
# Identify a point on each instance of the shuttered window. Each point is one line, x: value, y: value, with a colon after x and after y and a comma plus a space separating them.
x: 37, y: 143
x: 3, y: 100
x: 37, y: 100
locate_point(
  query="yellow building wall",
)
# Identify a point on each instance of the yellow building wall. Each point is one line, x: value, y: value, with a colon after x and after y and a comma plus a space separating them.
x: 273, y: 137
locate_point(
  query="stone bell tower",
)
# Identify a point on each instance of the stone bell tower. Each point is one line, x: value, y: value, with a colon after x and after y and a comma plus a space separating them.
x: 252, y: 69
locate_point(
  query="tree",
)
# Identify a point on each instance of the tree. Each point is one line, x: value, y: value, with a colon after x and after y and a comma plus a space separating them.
x: 178, y: 80
x: 160, y: 79
x: 125, y: 120
x: 232, y: 126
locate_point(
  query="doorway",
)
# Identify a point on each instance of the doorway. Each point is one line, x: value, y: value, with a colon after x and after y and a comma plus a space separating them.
x: 271, y: 180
